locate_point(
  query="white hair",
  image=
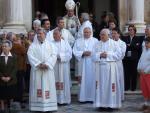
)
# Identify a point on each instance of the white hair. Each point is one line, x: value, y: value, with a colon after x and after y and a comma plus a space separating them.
x: 37, y: 22
x: 85, y: 16
x: 56, y: 30
x: 41, y: 30
x: 106, y: 31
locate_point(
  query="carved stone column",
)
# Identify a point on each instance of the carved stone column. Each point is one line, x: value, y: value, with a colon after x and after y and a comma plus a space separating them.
x: 136, y: 15
x: 14, y: 16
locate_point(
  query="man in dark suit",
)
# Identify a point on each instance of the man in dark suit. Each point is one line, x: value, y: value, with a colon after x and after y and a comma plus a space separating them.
x: 131, y: 58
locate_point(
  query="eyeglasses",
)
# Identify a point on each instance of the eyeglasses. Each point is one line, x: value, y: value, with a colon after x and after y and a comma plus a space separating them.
x: 130, y: 29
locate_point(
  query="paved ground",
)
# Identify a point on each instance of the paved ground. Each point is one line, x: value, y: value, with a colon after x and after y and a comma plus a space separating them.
x: 131, y: 104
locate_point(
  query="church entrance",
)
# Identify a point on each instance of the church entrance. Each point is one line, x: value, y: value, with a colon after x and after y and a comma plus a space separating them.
x: 55, y: 8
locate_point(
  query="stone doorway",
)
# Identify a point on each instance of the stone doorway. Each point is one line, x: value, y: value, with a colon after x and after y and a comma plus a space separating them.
x: 55, y: 8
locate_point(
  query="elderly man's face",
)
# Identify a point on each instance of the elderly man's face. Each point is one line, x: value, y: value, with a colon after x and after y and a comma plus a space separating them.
x: 41, y: 36
x: 104, y: 36
x: 61, y: 24
x: 70, y: 13
x: 57, y: 35
x: 87, y: 33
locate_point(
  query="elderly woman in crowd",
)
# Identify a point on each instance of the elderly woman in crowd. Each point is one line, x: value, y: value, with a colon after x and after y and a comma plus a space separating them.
x: 18, y: 48
x: 8, y: 69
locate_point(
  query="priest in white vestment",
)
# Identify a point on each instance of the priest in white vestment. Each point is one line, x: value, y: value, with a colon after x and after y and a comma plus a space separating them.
x: 62, y: 70
x: 108, y: 91
x: 65, y: 34
x: 42, y: 56
x: 85, y: 22
x: 83, y: 51
x: 116, y: 37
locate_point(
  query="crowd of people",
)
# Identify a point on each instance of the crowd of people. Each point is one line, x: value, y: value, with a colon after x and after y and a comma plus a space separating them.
x: 106, y: 63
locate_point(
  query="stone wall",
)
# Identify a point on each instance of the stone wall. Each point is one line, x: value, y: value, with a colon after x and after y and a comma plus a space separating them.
x: 147, y: 11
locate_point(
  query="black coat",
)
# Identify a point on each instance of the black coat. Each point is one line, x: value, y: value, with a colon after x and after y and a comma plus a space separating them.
x: 134, y: 47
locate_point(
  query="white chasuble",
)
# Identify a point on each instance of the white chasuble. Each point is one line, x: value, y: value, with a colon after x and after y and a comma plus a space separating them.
x: 62, y: 72
x: 80, y: 33
x: 42, y: 95
x: 108, y: 93
x: 86, y: 68
x: 120, y: 66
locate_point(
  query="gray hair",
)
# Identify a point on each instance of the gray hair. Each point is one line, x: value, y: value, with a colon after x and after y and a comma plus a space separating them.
x: 7, y: 42
x: 9, y: 36
x: 41, y: 30
x: 37, y: 22
x: 85, y: 16
x: 106, y: 31
x: 56, y: 30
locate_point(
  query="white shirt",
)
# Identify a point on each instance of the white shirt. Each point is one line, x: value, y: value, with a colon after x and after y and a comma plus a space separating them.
x: 6, y: 56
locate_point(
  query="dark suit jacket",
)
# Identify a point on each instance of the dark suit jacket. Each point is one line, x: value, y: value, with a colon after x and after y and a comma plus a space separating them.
x: 134, y: 47
x: 8, y: 69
